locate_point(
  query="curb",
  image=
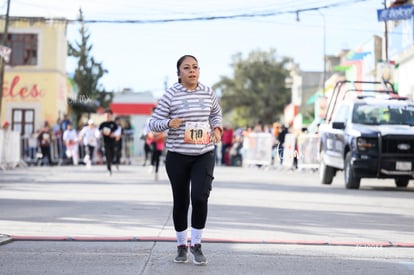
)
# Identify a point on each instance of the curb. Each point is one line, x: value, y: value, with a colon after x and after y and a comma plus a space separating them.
x: 5, y: 240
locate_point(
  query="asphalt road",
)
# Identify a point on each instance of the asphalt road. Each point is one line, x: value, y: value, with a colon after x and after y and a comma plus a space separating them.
x: 75, y: 220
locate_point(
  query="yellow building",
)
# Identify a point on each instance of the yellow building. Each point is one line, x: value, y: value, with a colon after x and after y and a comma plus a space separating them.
x: 35, y: 86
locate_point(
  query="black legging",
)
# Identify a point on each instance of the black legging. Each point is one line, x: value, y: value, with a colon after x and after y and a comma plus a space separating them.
x: 181, y: 170
x: 109, y: 154
x: 155, y: 159
x: 117, y: 152
x: 147, y: 151
x: 90, y: 150
x: 46, y: 154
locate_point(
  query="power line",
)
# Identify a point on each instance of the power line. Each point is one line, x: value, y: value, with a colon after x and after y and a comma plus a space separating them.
x: 220, y: 17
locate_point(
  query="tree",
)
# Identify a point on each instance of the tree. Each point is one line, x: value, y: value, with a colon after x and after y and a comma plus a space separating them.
x: 87, y: 74
x: 257, y: 90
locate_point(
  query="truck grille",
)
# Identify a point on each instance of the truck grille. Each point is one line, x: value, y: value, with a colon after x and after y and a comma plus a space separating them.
x: 398, y: 145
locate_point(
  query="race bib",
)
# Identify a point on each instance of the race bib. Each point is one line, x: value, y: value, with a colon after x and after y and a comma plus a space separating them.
x: 106, y: 130
x: 91, y: 141
x: 197, y: 133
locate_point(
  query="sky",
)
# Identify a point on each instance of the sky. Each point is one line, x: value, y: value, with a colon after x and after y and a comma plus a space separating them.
x: 142, y: 55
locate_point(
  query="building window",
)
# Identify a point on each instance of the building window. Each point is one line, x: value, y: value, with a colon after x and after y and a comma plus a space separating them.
x: 23, y: 121
x: 24, y: 48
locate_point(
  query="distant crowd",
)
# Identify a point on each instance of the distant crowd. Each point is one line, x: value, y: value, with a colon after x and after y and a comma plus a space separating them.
x: 62, y: 144
x: 231, y: 150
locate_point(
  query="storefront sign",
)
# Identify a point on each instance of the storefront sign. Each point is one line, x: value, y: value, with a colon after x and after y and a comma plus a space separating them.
x: 397, y: 13
x: 14, y: 90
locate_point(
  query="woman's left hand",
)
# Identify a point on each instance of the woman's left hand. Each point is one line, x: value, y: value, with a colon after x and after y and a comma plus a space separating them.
x: 216, y: 137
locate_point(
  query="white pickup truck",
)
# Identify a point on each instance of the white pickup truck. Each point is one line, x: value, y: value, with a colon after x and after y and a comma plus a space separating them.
x: 369, y: 134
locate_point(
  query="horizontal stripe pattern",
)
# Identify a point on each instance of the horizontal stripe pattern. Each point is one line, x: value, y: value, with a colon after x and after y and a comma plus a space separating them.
x: 200, y: 105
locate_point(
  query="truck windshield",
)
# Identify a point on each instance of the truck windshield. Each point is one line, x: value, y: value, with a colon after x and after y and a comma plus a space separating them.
x: 383, y: 114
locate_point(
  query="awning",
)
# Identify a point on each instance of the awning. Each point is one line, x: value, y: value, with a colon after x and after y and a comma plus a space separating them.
x: 353, y: 56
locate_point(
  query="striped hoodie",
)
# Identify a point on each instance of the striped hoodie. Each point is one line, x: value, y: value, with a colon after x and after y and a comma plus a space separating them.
x: 198, y: 106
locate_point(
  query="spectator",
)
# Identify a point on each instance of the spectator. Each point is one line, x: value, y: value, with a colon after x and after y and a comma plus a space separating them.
x: 281, y: 139
x: 70, y: 138
x: 33, y: 145
x: 64, y: 123
x: 147, y: 138
x: 275, y: 133
x: 58, y: 138
x: 157, y: 149
x: 89, y: 135
x: 148, y: 147
x: 63, y: 126
x: 235, y: 151
x: 45, y: 141
x: 128, y: 141
x: 259, y: 127
x: 226, y: 142
x: 108, y: 129
x: 5, y: 126
x: 118, y: 143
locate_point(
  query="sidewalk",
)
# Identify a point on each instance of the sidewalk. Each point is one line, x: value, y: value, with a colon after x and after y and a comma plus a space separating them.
x: 74, y: 220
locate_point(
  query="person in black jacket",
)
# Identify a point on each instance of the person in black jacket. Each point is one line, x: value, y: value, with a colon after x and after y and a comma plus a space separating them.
x: 118, y: 143
x: 107, y: 129
x: 45, y: 141
x: 281, y: 138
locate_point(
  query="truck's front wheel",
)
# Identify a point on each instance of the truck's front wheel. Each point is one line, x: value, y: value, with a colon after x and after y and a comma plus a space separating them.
x: 401, y: 182
x: 351, y: 180
x: 326, y: 173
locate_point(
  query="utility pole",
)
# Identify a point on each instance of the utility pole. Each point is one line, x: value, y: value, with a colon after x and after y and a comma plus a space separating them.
x: 2, y: 60
x: 386, y: 34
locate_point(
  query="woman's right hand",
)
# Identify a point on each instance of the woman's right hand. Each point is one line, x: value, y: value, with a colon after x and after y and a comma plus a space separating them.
x: 175, y: 123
